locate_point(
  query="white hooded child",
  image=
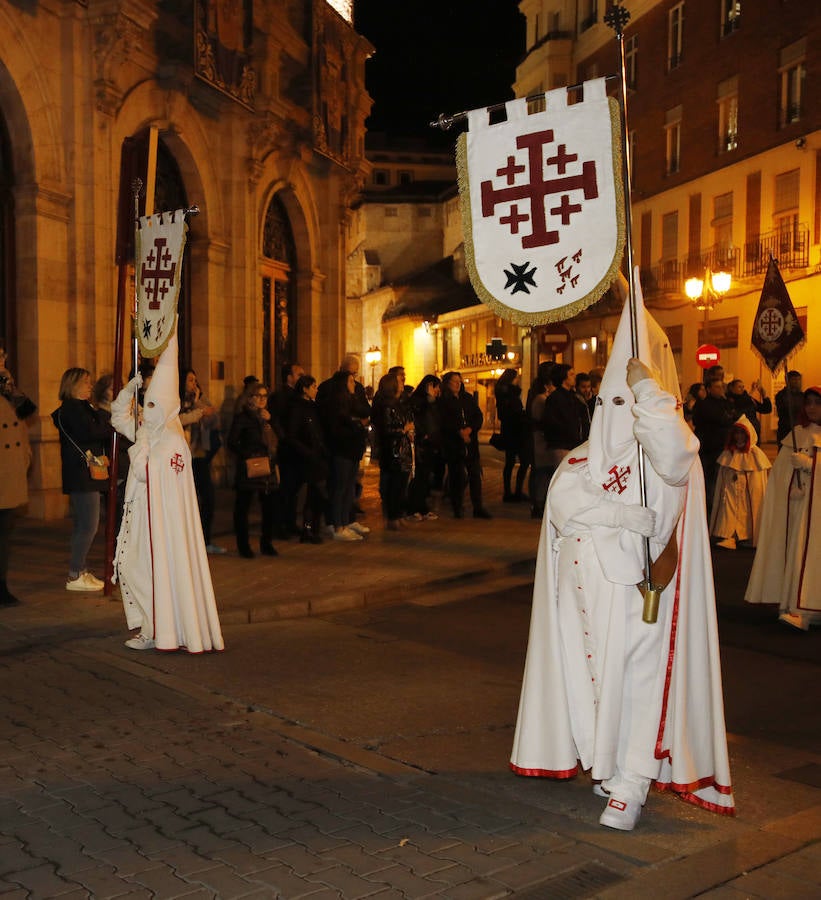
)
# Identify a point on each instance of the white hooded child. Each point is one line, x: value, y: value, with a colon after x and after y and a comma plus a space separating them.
x: 603, y: 690
x: 160, y: 560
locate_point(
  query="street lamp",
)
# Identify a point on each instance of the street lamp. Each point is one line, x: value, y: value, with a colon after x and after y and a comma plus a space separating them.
x: 706, y: 292
x: 373, y: 356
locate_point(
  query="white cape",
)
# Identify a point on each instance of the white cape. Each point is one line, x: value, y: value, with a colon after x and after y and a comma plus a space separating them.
x: 601, y: 687
x: 160, y: 559
x: 787, y: 566
x: 740, y: 486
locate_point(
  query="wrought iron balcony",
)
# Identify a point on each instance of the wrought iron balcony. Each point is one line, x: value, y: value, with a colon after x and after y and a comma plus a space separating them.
x: 790, y: 246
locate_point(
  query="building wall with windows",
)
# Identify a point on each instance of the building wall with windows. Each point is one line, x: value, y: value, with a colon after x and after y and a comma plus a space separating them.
x: 259, y: 110
x: 725, y: 147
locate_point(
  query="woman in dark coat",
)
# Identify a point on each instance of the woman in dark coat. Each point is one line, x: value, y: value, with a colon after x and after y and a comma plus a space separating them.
x: 252, y: 437
x: 393, y: 423
x: 428, y: 441
x: 307, y: 443
x: 516, y: 433
x: 84, y: 432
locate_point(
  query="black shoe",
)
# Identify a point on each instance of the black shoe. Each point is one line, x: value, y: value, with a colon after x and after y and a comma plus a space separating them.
x: 268, y: 549
x: 245, y: 552
x: 481, y: 513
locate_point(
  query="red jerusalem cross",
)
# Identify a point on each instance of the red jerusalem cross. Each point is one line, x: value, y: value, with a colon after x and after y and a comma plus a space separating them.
x: 157, y: 280
x: 177, y: 463
x: 617, y: 486
x: 539, y: 188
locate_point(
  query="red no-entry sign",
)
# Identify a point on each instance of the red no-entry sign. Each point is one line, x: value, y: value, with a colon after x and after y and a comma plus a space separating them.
x: 707, y: 355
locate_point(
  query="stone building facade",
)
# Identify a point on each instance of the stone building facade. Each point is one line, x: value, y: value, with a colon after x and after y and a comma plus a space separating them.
x: 725, y: 145
x: 259, y: 108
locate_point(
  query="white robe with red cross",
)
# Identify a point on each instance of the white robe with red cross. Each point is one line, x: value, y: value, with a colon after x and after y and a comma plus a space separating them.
x: 602, y: 689
x: 160, y: 560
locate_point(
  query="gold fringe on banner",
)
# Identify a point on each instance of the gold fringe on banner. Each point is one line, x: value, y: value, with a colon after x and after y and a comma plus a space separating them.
x: 569, y: 310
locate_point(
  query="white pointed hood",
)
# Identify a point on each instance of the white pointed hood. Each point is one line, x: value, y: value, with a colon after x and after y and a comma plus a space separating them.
x: 612, y: 442
x: 161, y: 405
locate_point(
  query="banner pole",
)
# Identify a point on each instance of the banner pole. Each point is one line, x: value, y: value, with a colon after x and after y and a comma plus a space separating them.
x: 616, y: 18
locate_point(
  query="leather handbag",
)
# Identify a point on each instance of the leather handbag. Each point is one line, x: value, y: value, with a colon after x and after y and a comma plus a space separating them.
x: 258, y: 467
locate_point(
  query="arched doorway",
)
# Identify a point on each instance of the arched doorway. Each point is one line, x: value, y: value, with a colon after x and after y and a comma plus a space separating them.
x: 278, y: 290
x: 8, y: 331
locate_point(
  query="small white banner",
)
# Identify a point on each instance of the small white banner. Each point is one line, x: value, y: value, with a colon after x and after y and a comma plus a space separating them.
x: 543, y: 205
x: 160, y: 245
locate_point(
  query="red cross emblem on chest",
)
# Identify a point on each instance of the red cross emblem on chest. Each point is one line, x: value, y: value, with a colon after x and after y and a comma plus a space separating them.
x: 535, y: 192
x: 177, y: 463
x: 618, y: 483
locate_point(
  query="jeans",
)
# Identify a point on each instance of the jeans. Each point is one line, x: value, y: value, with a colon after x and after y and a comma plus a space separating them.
x: 343, y: 489
x: 85, y: 509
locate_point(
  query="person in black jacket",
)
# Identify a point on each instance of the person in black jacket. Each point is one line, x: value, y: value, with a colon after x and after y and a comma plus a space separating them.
x: 515, y: 432
x: 428, y: 445
x: 280, y: 403
x: 461, y: 419
x: 751, y: 404
x: 712, y: 418
x: 251, y: 437
x: 309, y: 456
x: 566, y: 421
x: 84, y: 436
x: 393, y: 423
x: 343, y: 418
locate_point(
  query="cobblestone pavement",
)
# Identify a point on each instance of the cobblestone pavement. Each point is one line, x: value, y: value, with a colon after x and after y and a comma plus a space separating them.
x: 114, y: 784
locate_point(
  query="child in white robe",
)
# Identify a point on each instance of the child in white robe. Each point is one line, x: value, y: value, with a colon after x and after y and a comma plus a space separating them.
x: 743, y: 469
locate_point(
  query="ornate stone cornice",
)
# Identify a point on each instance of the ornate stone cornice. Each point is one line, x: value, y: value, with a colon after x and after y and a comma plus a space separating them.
x: 118, y: 31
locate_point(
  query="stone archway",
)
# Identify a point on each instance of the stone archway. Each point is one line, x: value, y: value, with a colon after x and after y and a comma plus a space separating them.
x: 8, y: 330
x: 278, y: 290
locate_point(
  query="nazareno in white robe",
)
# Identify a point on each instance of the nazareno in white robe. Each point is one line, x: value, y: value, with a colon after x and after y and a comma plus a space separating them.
x: 602, y: 689
x: 740, y: 486
x: 160, y: 560
x: 787, y: 565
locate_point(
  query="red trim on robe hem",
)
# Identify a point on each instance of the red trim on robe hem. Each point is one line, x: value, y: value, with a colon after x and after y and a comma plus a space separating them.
x: 688, y: 797
x: 151, y: 552
x: 545, y: 773
x: 661, y: 753
x: 808, y: 520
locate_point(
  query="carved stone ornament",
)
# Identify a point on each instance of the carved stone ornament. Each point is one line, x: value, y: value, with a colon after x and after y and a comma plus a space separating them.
x: 116, y: 38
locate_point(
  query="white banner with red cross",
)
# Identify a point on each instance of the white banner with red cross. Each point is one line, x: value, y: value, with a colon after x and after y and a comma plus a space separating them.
x: 160, y: 244
x: 542, y: 204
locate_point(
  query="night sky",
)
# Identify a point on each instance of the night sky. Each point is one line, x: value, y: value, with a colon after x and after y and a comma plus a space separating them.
x: 437, y: 56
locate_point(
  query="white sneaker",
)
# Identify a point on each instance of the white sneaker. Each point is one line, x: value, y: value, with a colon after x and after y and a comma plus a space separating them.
x: 621, y: 814
x: 345, y: 534
x: 359, y: 528
x: 600, y: 791
x: 795, y: 620
x: 95, y: 583
x: 140, y: 642
x: 214, y: 550
x: 84, y: 582
x: 430, y: 516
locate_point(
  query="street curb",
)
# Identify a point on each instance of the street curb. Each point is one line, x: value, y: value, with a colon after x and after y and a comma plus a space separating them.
x: 373, y: 597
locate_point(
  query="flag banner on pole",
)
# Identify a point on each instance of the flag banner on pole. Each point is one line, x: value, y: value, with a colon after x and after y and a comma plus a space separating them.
x: 160, y: 245
x: 777, y: 333
x: 542, y: 204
